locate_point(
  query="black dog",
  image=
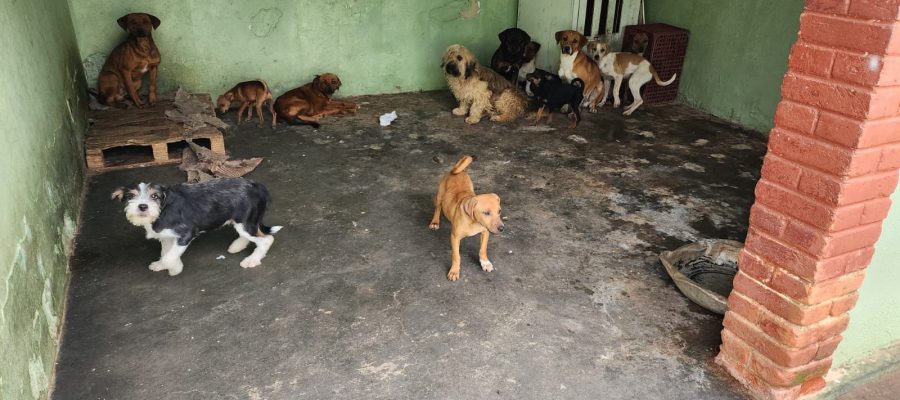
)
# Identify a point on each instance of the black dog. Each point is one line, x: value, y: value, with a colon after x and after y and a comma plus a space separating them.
x: 555, y: 94
x: 544, y: 75
x: 510, y: 56
x: 177, y: 214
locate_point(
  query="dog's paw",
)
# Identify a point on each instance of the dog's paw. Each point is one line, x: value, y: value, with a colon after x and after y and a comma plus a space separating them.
x: 175, y: 269
x: 594, y: 109
x: 434, y: 226
x: 496, y: 118
x: 250, y: 262
x: 459, y: 111
x: 486, y: 265
x: 151, y: 99
x: 472, y: 120
x: 157, y: 266
x: 453, y: 275
x: 617, y: 105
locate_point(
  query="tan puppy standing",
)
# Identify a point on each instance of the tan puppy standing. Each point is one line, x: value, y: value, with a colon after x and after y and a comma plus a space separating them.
x: 619, y: 66
x: 256, y: 92
x: 479, y: 89
x: 573, y: 63
x: 469, y: 214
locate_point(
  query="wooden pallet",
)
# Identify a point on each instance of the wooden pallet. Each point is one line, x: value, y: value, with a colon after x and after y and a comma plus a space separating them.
x: 135, y: 138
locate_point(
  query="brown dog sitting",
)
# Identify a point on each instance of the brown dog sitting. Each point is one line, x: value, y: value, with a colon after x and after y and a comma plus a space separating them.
x: 469, y: 214
x: 124, y: 69
x: 256, y: 92
x: 307, y: 104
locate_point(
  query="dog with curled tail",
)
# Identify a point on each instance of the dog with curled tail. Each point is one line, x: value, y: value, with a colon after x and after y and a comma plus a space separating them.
x: 480, y: 90
x: 469, y: 214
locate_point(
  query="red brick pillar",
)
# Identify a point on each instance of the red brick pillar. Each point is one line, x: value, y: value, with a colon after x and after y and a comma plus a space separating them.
x: 826, y: 180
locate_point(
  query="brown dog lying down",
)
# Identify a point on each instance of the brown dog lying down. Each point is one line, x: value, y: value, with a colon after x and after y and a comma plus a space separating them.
x: 256, y: 92
x: 307, y: 104
x: 469, y: 214
x: 125, y: 67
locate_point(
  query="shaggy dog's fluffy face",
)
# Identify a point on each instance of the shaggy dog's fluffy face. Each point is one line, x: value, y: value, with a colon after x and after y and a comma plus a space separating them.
x: 458, y: 61
x: 143, y: 202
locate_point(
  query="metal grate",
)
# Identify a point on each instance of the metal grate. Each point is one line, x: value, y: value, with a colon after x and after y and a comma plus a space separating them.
x: 665, y: 51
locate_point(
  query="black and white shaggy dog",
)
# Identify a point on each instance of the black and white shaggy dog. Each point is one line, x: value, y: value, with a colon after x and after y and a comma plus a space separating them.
x: 177, y: 214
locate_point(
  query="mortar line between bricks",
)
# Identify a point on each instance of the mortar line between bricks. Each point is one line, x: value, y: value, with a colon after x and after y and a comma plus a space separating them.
x: 841, y: 179
x: 834, y: 82
x: 826, y: 235
x: 866, y: 122
x: 821, y: 47
x: 781, y: 320
x: 827, y: 144
x: 774, y: 340
x: 850, y: 18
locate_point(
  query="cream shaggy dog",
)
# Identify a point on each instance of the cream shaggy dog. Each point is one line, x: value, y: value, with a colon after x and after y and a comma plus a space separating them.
x: 479, y: 89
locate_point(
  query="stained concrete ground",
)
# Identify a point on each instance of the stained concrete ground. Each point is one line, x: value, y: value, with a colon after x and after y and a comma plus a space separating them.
x: 352, y: 301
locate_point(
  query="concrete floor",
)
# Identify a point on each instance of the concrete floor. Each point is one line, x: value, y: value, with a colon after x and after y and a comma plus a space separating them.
x: 352, y: 301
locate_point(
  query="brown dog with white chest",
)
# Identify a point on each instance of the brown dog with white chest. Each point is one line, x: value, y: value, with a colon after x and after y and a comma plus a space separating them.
x: 469, y: 214
x: 573, y: 63
x: 256, y: 92
x: 307, y: 104
x: 124, y: 69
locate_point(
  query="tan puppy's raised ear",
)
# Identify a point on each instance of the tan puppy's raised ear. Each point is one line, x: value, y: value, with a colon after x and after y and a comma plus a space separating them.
x: 118, y: 194
x: 123, y: 21
x: 468, y: 206
x: 155, y: 21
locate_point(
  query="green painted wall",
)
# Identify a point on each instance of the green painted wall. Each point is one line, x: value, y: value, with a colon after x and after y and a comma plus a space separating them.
x: 875, y: 322
x: 375, y: 46
x: 542, y: 19
x: 737, y: 54
x: 43, y: 122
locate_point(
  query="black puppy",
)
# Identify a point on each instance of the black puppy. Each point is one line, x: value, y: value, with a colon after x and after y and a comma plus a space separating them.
x: 555, y: 94
x: 177, y: 214
x: 510, y: 56
x: 543, y: 74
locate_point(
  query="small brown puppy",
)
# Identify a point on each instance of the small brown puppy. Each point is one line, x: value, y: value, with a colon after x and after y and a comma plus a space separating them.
x: 256, y: 92
x: 307, y: 104
x: 124, y: 69
x: 469, y: 214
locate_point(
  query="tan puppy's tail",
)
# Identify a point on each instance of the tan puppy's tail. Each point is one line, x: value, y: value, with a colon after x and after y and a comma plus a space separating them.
x: 660, y: 82
x: 462, y: 164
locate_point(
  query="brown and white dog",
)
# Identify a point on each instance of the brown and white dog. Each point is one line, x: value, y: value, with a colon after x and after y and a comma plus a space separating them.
x: 573, y: 63
x: 469, y: 214
x: 307, y: 104
x: 124, y: 69
x: 256, y: 92
x: 480, y: 90
x: 618, y: 66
